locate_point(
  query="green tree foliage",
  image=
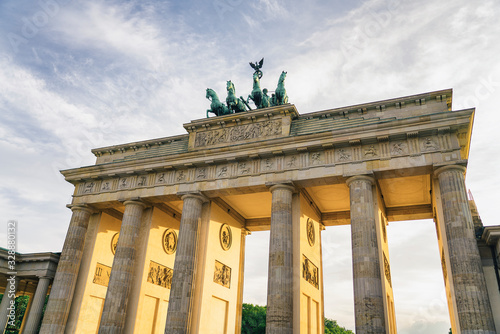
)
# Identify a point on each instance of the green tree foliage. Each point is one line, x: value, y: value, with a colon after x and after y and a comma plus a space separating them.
x: 254, y: 321
x: 20, y: 304
x: 331, y: 327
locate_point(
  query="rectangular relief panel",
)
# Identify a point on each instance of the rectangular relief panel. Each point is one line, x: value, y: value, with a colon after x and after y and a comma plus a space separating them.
x: 222, y: 274
x: 101, y: 275
x: 310, y: 272
x: 160, y: 275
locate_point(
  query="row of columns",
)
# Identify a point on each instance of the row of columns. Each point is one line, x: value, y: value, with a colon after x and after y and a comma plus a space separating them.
x: 33, y: 313
x: 470, y: 288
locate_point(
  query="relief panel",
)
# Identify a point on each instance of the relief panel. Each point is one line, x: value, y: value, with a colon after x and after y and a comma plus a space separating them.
x: 310, y: 272
x: 160, y: 275
x: 101, y: 275
x: 222, y: 274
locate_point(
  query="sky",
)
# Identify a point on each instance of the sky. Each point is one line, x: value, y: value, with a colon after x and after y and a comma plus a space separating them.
x: 79, y: 75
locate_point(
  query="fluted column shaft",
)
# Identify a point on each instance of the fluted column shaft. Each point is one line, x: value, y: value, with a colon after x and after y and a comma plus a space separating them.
x: 368, y: 298
x: 35, y: 313
x: 120, y: 280
x: 279, y: 317
x: 181, y: 295
x: 471, y: 294
x: 61, y: 294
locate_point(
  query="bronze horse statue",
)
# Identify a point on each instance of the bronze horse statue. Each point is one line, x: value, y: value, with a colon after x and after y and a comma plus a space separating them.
x: 216, y: 107
x: 256, y: 95
x: 280, y: 93
x: 233, y: 103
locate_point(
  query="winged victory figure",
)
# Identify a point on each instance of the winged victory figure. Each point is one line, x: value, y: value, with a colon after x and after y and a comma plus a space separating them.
x: 257, y: 66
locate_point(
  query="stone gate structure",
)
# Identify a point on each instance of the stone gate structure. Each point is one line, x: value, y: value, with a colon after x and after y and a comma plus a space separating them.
x: 156, y: 242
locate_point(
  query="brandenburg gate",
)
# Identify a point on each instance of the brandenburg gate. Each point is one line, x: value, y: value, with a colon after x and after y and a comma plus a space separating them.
x: 156, y: 242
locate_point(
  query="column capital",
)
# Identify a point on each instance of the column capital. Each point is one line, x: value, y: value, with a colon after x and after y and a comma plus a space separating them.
x: 197, y: 195
x: 288, y: 185
x: 360, y: 178
x: 135, y: 201
x: 81, y: 207
x: 448, y: 168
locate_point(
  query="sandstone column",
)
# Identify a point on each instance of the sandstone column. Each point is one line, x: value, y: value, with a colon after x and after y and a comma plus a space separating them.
x: 61, y: 294
x: 183, y: 280
x: 122, y: 273
x: 368, y: 298
x: 280, y: 277
x: 35, y: 313
x: 471, y: 295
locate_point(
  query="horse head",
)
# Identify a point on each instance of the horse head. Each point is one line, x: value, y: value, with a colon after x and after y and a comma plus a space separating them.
x: 230, y: 86
x: 282, y: 76
x: 211, y: 94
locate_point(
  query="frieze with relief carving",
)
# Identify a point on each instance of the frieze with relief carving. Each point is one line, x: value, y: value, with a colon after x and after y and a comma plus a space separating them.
x: 222, y: 274
x: 101, y: 275
x: 237, y: 133
x: 387, y: 270
x: 160, y: 275
x: 257, y: 165
x: 310, y: 272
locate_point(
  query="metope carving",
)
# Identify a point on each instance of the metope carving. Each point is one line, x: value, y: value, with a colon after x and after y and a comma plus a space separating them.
x: 311, y: 234
x: 101, y: 275
x: 238, y: 133
x: 267, y: 164
x: 291, y: 162
x: 225, y: 236
x: 201, y: 173
x: 398, y: 148
x: 169, y: 241
x: 223, y: 171
x: 371, y: 151
x: 243, y: 168
x: 160, y: 275
x: 428, y: 144
x: 343, y: 154
x: 310, y: 272
x: 387, y: 270
x: 124, y: 183
x: 315, y: 158
x: 141, y: 181
x: 89, y: 187
x: 160, y: 178
x: 181, y: 176
x: 106, y: 185
x: 222, y: 274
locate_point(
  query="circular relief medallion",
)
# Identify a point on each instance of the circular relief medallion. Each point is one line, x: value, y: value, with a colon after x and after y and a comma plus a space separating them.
x: 114, y: 242
x: 311, y: 235
x: 226, y: 238
x: 169, y: 241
